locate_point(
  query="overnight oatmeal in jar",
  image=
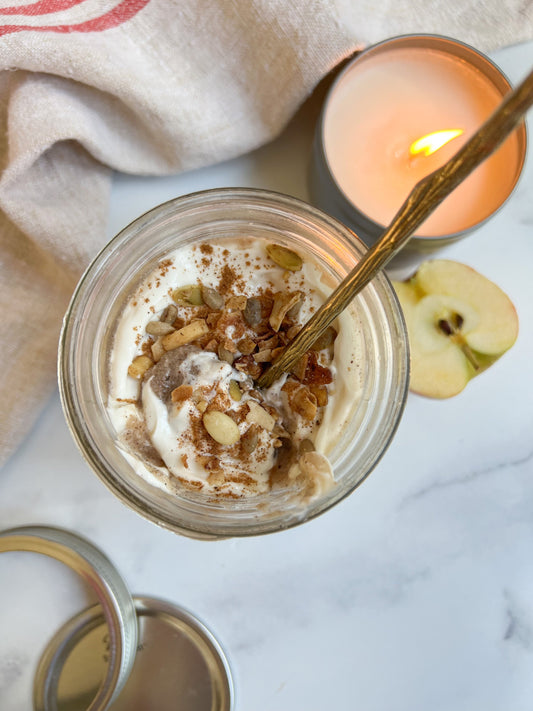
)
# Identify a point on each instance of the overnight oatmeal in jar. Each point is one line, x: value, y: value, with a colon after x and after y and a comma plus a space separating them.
x: 189, y: 346
x: 164, y: 339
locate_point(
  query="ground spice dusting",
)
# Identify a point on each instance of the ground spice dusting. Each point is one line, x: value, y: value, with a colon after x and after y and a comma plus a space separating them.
x: 227, y: 280
x: 233, y: 319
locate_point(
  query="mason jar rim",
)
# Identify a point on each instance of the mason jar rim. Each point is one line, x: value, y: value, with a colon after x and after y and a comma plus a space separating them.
x: 87, y: 293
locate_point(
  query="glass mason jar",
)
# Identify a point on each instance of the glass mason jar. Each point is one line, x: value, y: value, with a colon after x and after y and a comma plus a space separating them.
x: 90, y: 322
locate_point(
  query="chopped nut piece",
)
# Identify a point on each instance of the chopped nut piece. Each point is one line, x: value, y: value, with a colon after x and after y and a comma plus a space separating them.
x: 263, y: 328
x: 317, y: 374
x: 225, y: 355
x: 158, y: 328
x: 231, y: 322
x: 188, y: 295
x: 169, y: 314
x: 282, y: 303
x: 211, y: 345
x: 250, y: 439
x: 290, y: 386
x: 271, y: 410
x: 271, y: 342
x: 300, y: 367
x: 229, y: 345
x: 246, y: 346
x: 139, y: 366
x: 212, y: 298
x: 303, y: 402
x: 263, y: 356
x: 285, y: 258
x: 259, y: 416
x: 221, y: 427
x: 146, y: 347
x: 236, y: 302
x: 235, y: 391
x: 182, y: 392
x: 292, y: 332
x: 293, y: 312
x: 158, y: 351
x: 252, y: 312
x: 280, y: 431
x: 212, y: 319
x: 325, y: 340
x: 276, y: 352
x: 246, y: 364
x: 184, y: 335
x: 321, y: 394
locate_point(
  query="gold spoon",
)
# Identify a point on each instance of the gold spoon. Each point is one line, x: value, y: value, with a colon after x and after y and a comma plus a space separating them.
x: 427, y: 194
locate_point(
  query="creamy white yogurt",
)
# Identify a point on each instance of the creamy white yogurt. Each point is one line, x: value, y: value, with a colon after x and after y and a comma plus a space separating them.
x: 169, y: 426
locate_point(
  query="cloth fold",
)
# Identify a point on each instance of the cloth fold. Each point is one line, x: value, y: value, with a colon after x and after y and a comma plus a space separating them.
x: 153, y: 87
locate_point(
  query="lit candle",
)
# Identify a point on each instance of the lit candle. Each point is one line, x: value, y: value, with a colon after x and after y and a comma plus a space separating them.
x: 396, y: 113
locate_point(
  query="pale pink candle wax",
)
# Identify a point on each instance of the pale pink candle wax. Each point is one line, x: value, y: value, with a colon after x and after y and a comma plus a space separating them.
x: 383, y: 104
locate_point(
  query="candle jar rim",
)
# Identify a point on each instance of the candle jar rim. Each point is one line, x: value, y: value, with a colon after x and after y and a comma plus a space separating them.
x: 341, y: 206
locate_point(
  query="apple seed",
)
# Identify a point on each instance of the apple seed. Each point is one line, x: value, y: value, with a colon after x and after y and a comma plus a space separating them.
x: 451, y: 327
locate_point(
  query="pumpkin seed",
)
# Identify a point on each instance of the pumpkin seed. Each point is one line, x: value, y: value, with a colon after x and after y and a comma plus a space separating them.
x: 212, y: 298
x: 188, y: 295
x: 285, y: 258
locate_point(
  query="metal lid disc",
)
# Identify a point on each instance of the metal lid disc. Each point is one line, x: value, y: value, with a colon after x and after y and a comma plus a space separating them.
x: 117, y: 609
x: 178, y: 665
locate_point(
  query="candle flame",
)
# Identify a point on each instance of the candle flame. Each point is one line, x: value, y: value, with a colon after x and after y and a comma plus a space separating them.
x: 433, y: 141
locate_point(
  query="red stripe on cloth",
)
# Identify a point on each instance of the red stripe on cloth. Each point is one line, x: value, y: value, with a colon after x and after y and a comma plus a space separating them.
x: 43, y: 7
x: 123, y: 12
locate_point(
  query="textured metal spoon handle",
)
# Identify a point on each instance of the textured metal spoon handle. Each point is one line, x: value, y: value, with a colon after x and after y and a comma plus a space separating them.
x: 420, y: 203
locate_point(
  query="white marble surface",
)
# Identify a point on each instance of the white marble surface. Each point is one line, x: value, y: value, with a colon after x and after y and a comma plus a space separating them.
x: 415, y: 593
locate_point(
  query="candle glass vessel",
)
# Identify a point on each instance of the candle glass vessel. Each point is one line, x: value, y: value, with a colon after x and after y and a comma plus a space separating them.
x: 88, y: 337
x: 396, y: 113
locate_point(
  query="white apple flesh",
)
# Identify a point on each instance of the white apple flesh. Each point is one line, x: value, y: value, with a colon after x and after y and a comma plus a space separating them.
x: 459, y: 323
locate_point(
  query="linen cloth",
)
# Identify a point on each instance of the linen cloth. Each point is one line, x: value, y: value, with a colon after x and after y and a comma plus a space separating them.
x: 154, y: 87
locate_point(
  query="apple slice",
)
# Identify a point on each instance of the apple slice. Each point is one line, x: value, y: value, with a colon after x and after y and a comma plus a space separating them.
x: 459, y: 323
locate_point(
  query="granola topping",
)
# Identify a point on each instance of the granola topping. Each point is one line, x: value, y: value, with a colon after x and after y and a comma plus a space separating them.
x: 190, y: 345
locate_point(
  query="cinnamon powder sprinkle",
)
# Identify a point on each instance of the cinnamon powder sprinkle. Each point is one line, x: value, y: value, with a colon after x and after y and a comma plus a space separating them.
x: 227, y: 279
x: 229, y: 318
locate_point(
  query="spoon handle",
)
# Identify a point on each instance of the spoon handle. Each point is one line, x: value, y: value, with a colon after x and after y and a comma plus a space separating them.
x: 427, y: 194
